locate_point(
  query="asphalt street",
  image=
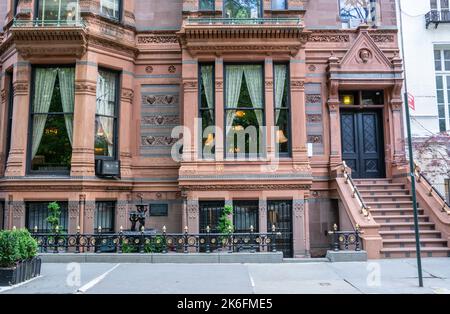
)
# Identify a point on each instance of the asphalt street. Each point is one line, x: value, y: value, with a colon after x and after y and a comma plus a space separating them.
x: 376, y: 276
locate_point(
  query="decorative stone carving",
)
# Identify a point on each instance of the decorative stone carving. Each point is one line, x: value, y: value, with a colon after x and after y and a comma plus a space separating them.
x: 190, y: 85
x: 192, y: 209
x: 149, y: 69
x: 161, y: 120
x: 246, y: 187
x: 157, y: 140
x: 315, y: 139
x: 313, y: 99
x: 158, y: 39
x: 329, y: 38
x: 161, y: 99
x: 382, y: 38
x: 365, y: 55
x: 20, y: 88
x: 172, y: 69
x: 299, y: 208
x: 312, y: 68
x: 314, y: 118
x: 74, y: 210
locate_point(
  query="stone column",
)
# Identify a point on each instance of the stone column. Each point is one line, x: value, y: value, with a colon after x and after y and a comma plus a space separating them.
x: 307, y: 236
x: 298, y: 224
x: 125, y: 126
x: 74, y: 215
x: 335, y: 125
x: 193, y: 219
x: 396, y: 104
x: 219, y: 110
x: 16, y: 164
x: 269, y: 109
x: 263, y: 217
x: 84, y: 117
x: 298, y: 115
x: 123, y: 208
x: 18, y: 214
x: 190, y: 110
x: 89, y: 212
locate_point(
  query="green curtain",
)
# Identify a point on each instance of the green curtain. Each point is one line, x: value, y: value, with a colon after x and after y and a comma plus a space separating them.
x: 207, y: 79
x: 254, y: 79
x: 106, y: 86
x: 233, y: 90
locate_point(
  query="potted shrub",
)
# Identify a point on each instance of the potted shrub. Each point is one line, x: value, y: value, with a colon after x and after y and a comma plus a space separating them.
x: 225, y: 226
x: 18, y: 257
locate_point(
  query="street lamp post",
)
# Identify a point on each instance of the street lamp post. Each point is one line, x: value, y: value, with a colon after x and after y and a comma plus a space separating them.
x: 411, y: 157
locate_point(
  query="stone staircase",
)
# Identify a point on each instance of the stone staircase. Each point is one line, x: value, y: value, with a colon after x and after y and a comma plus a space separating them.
x: 391, y: 206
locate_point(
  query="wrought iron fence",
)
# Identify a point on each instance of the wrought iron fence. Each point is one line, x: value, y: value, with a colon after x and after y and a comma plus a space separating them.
x: 345, y: 240
x: 148, y: 242
x: 437, y: 17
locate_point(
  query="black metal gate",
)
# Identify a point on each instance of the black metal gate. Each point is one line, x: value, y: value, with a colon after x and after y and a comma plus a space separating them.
x: 279, y: 213
x: 210, y: 212
x: 37, y: 213
x: 245, y: 214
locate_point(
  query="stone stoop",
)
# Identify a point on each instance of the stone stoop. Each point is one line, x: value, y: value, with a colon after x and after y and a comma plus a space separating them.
x: 391, y: 206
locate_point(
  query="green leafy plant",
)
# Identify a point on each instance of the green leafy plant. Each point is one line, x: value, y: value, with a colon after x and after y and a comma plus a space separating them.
x: 54, y: 216
x: 225, y: 225
x: 152, y: 247
x: 16, y: 245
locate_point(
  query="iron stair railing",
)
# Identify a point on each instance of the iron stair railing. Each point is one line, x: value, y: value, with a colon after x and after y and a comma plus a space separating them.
x: 445, y: 207
x: 364, y: 209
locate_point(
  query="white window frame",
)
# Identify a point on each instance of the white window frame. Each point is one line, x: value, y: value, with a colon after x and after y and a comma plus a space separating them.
x: 445, y: 74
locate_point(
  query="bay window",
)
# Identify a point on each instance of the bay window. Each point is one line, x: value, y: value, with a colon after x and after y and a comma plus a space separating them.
x: 58, y: 11
x: 245, y: 9
x: 207, y: 108
x: 106, y: 114
x: 282, y: 116
x: 244, y: 109
x: 111, y: 8
x: 52, y: 119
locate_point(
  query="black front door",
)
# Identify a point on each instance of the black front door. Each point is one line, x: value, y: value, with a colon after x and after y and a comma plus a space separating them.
x: 362, y: 142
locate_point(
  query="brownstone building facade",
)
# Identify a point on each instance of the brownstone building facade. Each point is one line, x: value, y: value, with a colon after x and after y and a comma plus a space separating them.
x: 94, y: 91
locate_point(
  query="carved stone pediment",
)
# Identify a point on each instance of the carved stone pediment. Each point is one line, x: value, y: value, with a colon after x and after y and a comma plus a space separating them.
x: 365, y: 55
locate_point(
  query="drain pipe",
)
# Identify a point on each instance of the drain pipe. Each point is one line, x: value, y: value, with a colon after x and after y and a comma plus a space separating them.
x: 411, y: 157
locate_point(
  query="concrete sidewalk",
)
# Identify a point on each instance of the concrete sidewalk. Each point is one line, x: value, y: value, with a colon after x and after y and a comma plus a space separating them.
x: 374, y: 276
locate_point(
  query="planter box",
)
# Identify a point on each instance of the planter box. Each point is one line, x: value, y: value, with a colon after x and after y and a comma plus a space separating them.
x: 23, y: 271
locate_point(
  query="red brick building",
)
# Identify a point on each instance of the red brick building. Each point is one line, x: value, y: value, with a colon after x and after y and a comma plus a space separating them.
x: 93, y: 89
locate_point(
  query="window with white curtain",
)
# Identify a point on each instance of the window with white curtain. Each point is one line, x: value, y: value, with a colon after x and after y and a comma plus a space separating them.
x: 207, y: 108
x: 244, y: 110
x: 51, y: 112
x: 106, y: 114
x: 111, y: 8
x: 282, y: 117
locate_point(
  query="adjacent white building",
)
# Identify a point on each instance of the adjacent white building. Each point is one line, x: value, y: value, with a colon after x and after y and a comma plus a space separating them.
x: 426, y: 36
